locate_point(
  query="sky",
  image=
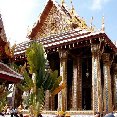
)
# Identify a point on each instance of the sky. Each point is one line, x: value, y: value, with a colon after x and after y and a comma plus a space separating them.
x: 20, y: 15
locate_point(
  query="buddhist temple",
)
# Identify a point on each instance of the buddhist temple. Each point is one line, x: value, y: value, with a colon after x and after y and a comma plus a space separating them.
x: 6, y: 73
x: 85, y: 57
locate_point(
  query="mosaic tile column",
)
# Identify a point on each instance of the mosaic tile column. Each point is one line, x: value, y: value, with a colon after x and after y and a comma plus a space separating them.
x: 62, y: 95
x: 75, y: 85
x: 107, y: 83
x: 115, y: 84
x: 47, y: 97
x: 51, y: 103
x: 13, y: 95
x: 96, y: 79
x: 79, y: 67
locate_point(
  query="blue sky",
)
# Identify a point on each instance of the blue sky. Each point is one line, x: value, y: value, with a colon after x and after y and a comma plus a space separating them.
x: 18, y: 15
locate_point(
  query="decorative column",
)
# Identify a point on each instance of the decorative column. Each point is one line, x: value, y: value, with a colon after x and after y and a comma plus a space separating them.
x: 79, y: 67
x: 51, y: 103
x: 96, y: 79
x: 13, y: 95
x: 62, y: 95
x: 47, y: 97
x: 77, y: 84
x: 107, y: 83
x: 115, y: 84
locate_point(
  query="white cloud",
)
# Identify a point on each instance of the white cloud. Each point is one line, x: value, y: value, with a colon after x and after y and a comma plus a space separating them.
x: 97, y: 4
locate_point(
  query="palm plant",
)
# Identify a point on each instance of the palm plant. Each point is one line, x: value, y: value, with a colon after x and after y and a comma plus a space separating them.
x: 42, y: 80
x: 4, y: 91
x: 3, y: 95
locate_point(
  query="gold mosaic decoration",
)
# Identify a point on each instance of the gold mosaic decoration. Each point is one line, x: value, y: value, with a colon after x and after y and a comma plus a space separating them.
x: 60, y: 20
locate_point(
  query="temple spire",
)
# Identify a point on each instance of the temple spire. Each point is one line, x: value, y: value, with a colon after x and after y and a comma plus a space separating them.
x: 103, y: 24
x: 72, y: 4
x: 62, y: 2
x: 91, y: 25
x: 91, y: 22
x: 72, y: 9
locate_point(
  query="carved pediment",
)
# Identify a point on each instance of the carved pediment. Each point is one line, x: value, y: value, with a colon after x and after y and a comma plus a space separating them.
x: 57, y: 19
x: 55, y: 23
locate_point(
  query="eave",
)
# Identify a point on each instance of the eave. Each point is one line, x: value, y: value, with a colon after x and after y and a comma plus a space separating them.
x: 2, y: 43
x: 10, y: 79
x: 6, y: 73
x: 68, y: 40
x: 39, y: 24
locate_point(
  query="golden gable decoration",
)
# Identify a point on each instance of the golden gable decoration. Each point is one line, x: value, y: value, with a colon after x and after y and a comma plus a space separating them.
x: 56, y: 19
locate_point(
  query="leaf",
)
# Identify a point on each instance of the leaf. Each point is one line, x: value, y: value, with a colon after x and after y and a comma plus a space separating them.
x: 58, y: 89
x: 3, y: 98
x: 23, y: 68
x: 43, y: 80
x: 56, y: 83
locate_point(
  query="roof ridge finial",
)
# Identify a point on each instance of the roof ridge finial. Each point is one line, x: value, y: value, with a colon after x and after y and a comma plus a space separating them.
x: 91, y: 21
x: 72, y: 9
x: 91, y: 25
x: 71, y: 3
x: 103, y: 24
x: 62, y: 2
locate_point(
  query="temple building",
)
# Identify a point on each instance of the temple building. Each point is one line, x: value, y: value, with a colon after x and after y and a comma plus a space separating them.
x: 7, y: 75
x: 85, y: 57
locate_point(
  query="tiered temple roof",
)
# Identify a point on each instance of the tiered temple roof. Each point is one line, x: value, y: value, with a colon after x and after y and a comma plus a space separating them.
x: 81, y: 54
x: 6, y: 73
x: 56, y: 19
x: 73, y: 39
x: 2, y: 32
x: 3, y: 39
x: 70, y: 31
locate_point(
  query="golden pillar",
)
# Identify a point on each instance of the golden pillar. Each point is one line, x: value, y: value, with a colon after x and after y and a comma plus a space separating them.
x: 96, y: 79
x: 115, y: 84
x: 107, y: 83
x: 62, y: 95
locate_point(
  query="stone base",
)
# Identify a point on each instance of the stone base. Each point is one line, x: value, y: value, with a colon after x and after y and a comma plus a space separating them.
x: 51, y: 115
x: 71, y: 113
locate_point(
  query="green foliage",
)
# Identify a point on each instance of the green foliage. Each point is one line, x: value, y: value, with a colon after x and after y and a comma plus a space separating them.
x: 3, y: 102
x: 3, y: 96
x: 35, y: 58
x: 27, y: 84
x: 55, y: 81
x: 52, y: 81
x: 43, y: 80
x: 14, y: 67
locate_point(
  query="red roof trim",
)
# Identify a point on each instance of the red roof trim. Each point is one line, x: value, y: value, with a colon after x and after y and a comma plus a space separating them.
x: 66, y: 39
x: 9, y: 78
x: 42, y: 19
x: 4, y: 69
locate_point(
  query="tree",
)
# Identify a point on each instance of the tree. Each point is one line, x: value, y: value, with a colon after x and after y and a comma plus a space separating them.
x: 4, y: 91
x: 42, y: 80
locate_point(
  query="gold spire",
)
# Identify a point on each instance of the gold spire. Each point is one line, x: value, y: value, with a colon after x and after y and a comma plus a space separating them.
x: 103, y: 25
x: 72, y: 9
x: 92, y: 27
x: 91, y: 22
x: 71, y: 3
x: 62, y: 2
